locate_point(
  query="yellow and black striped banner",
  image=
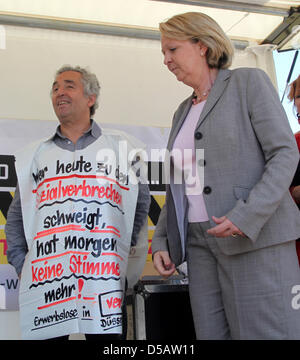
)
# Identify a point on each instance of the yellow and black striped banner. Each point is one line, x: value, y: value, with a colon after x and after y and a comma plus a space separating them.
x: 5, y: 200
x: 157, y: 202
x: 8, y: 182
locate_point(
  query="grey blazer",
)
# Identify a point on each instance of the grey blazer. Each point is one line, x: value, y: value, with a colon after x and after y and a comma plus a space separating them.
x: 250, y: 159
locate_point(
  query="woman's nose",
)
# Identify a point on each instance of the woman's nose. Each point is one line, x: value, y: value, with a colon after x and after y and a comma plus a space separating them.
x: 167, y: 59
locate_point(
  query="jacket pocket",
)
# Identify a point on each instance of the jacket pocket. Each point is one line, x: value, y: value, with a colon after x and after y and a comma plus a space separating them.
x: 241, y: 192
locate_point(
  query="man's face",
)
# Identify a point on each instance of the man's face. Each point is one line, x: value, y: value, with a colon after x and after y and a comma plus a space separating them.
x: 68, y: 98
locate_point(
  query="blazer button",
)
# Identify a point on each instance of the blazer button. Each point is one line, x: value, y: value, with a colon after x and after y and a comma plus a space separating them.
x: 207, y: 190
x: 198, y: 135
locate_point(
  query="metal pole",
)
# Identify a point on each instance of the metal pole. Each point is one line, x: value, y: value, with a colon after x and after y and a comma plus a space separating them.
x: 88, y: 27
x: 290, y: 74
x: 234, y: 5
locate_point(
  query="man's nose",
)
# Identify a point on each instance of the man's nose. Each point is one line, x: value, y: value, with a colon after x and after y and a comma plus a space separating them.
x: 60, y: 91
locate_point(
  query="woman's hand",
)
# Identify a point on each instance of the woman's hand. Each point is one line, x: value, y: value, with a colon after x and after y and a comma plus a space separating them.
x: 296, y: 193
x: 163, y: 263
x: 224, y: 228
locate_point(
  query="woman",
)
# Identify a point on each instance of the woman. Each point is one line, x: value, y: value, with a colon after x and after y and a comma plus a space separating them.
x: 294, y: 95
x: 238, y: 235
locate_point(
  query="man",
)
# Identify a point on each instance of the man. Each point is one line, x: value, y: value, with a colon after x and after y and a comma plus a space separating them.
x: 75, y: 214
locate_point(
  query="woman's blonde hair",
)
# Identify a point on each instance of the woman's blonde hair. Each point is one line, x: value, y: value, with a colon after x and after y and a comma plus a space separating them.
x: 195, y: 26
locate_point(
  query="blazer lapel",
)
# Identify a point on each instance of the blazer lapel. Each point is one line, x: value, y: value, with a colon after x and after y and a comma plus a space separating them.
x: 215, y: 94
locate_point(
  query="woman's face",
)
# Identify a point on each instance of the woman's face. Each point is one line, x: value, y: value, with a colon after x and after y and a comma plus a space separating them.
x: 185, y: 59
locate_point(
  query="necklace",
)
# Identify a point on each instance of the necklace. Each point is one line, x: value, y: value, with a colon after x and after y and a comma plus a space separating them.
x: 197, y: 99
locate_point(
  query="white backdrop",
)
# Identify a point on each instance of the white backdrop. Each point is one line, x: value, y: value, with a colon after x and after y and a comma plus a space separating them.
x: 136, y: 86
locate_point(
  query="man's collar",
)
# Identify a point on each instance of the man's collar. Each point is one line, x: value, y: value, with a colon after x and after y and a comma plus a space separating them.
x: 94, y: 130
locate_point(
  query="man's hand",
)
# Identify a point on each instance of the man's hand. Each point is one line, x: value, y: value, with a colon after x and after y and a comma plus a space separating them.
x: 163, y: 263
x: 224, y: 228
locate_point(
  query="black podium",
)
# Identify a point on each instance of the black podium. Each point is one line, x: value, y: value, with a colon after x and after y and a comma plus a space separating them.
x: 161, y: 309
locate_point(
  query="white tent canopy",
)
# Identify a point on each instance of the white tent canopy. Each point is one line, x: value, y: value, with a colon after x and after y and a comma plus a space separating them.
x: 246, y: 20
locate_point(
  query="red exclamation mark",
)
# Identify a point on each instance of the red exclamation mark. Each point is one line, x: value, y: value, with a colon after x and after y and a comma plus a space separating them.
x: 80, y: 285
